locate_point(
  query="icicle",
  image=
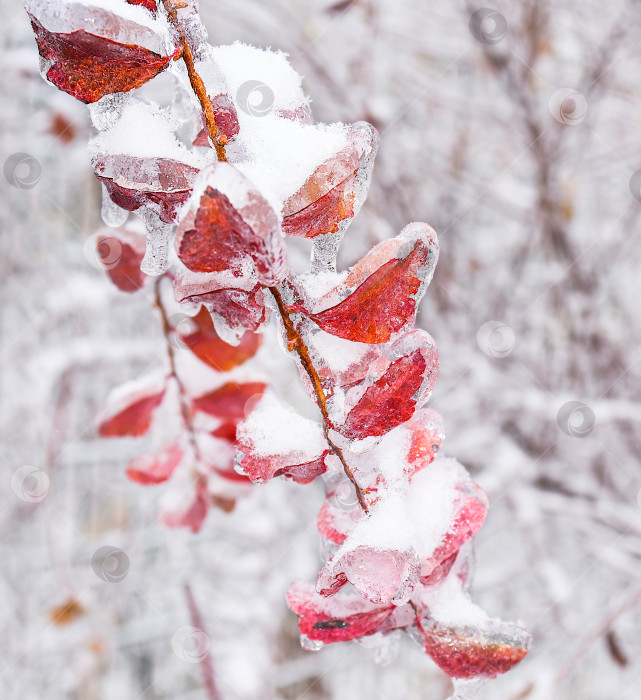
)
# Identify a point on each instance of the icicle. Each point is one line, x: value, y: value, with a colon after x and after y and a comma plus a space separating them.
x: 111, y: 213
x: 466, y: 689
x: 158, y: 233
x: 324, y: 252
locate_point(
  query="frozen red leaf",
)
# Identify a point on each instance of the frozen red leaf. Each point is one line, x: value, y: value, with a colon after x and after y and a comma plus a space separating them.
x: 200, y: 336
x: 149, y: 4
x: 226, y: 119
x: 264, y: 468
x: 229, y: 225
x: 468, y: 652
x: 88, y: 67
x: 264, y: 450
x: 193, y: 516
x: 334, y: 522
x: 133, y: 182
x: 131, y: 416
x: 386, y: 301
x: 338, y: 619
x: 394, y: 397
x: 230, y: 401
x: 470, y: 509
x: 155, y: 468
x: 380, y: 575
x: 120, y: 252
x: 427, y: 435
x: 333, y: 193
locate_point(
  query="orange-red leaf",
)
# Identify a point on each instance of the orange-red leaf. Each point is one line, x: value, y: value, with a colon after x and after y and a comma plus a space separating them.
x: 209, y: 347
x: 88, y: 67
x: 134, y: 419
x: 155, y: 468
x: 120, y: 253
x: 230, y: 400
x: 386, y: 300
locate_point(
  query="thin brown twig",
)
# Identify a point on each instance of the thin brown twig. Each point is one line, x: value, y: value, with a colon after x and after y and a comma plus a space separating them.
x: 196, y: 82
x: 205, y: 662
x: 171, y: 355
x: 297, y: 344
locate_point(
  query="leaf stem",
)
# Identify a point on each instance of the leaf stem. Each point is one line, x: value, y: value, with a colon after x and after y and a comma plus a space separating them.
x: 296, y: 343
x: 171, y: 355
x: 196, y: 81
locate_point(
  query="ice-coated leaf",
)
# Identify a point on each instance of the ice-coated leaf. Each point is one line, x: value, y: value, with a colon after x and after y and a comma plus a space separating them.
x: 88, y: 66
x: 266, y: 450
x: 470, y: 652
x: 333, y: 193
x: 381, y: 553
x: 149, y: 4
x: 200, y: 336
x: 231, y: 401
x: 337, y: 619
x: 397, y: 393
x: 155, y: 468
x: 380, y: 575
x: 133, y: 182
x: 334, y: 522
x: 427, y: 435
x: 229, y: 223
x: 193, y: 516
x: 130, y: 409
x: 470, y: 509
x: 226, y: 119
x: 120, y: 252
x: 386, y: 300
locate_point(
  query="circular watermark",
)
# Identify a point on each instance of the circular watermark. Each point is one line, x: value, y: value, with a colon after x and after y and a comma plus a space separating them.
x: 488, y: 26
x: 568, y: 106
x: 496, y: 339
x: 185, y: 331
x: 255, y: 98
x: 190, y: 644
x: 22, y: 171
x: 635, y: 185
x: 103, y: 251
x: 341, y: 493
x: 110, y: 564
x: 576, y: 419
x: 30, y: 484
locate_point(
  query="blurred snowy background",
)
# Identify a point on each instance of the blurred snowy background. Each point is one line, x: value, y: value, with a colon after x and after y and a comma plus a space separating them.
x: 516, y: 135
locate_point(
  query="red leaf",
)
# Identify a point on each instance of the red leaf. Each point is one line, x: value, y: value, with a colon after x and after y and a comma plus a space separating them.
x: 209, y: 347
x: 194, y: 516
x: 264, y: 450
x: 466, y: 652
x: 333, y: 193
x: 380, y: 575
x: 427, y: 437
x: 260, y: 469
x: 120, y: 252
x: 386, y: 301
x: 88, y: 67
x: 154, y: 469
x: 226, y: 119
x: 338, y: 619
x: 394, y: 397
x: 334, y: 522
x: 230, y: 400
x: 149, y: 4
x: 226, y: 431
x: 325, y: 214
x: 469, y: 515
x: 133, y: 182
x: 230, y: 225
x: 133, y: 416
